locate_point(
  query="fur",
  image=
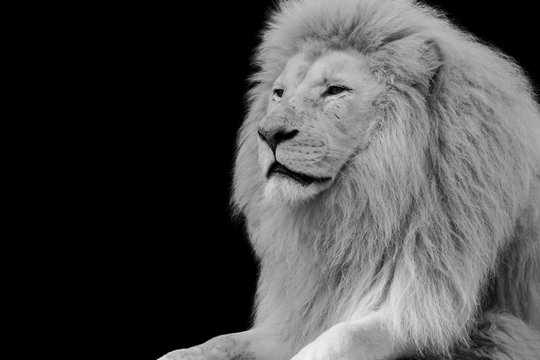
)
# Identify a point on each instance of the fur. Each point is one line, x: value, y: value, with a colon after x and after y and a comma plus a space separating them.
x: 437, y: 219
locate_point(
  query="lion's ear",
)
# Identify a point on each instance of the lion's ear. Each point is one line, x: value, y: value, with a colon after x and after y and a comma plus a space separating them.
x: 411, y: 60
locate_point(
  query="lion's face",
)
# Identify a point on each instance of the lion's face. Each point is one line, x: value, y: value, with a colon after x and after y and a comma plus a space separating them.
x: 315, y: 123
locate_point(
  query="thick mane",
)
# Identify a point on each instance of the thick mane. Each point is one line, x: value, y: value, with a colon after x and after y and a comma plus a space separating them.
x: 448, y: 171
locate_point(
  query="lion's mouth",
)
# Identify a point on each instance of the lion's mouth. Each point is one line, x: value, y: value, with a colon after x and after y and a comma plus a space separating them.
x: 277, y: 169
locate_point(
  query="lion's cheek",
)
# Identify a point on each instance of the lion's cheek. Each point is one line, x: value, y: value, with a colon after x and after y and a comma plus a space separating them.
x: 305, y: 155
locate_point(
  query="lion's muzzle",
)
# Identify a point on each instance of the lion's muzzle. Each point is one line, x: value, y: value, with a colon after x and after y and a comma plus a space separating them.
x: 289, y: 142
x: 275, y: 135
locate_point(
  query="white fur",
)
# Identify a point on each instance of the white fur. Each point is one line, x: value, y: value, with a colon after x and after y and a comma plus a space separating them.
x: 416, y: 223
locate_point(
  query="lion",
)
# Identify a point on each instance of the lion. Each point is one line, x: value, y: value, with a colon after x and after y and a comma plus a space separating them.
x: 389, y: 175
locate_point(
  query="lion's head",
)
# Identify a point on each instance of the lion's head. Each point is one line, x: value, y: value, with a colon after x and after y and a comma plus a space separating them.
x: 318, y: 115
x: 317, y: 119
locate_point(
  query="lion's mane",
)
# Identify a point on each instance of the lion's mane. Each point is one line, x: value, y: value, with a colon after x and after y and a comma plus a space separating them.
x: 448, y: 175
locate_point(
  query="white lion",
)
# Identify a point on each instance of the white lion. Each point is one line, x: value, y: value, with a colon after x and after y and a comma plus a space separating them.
x: 389, y: 174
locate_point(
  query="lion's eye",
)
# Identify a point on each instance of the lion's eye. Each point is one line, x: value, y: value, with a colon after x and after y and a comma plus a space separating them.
x: 278, y: 92
x: 334, y: 90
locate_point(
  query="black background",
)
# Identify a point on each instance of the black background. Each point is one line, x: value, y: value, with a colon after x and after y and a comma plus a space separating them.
x: 175, y: 269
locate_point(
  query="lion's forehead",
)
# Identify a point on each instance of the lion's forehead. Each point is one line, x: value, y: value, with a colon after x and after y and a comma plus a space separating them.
x: 303, y: 74
x: 295, y: 72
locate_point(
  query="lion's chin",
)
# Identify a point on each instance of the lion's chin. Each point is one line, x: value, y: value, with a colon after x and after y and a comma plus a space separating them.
x: 284, y: 190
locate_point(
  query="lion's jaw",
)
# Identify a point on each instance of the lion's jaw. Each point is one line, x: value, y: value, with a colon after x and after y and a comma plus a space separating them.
x: 318, y: 130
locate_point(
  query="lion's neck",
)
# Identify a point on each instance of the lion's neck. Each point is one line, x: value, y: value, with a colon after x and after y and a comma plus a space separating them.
x: 310, y: 255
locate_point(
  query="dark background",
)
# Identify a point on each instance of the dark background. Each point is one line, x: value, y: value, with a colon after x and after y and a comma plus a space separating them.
x: 175, y: 269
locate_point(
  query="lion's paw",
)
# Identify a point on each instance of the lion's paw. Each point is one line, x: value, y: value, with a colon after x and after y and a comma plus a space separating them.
x: 220, y: 348
x: 194, y: 353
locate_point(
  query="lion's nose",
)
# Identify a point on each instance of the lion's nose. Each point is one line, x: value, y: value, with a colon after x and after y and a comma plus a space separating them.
x: 275, y: 136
